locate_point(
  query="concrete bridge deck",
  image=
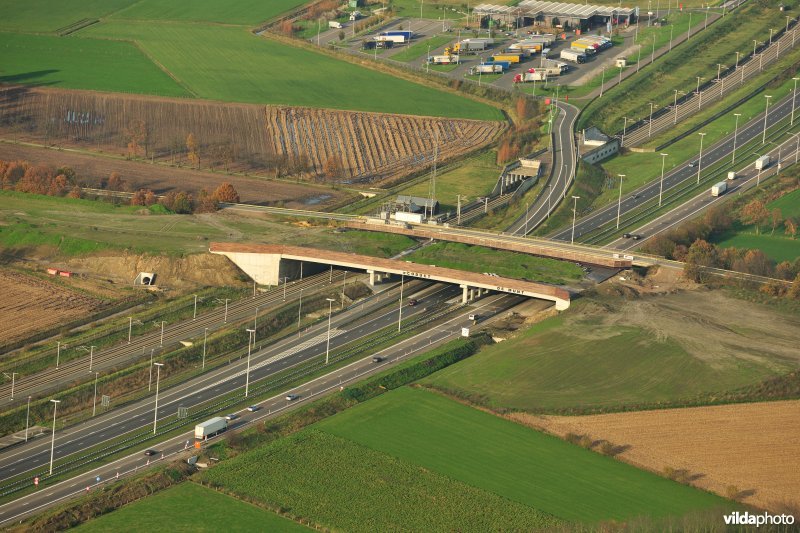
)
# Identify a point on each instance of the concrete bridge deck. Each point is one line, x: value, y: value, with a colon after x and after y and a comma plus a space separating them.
x: 268, y: 264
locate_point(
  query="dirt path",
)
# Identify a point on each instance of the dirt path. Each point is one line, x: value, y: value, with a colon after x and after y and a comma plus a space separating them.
x: 752, y: 447
x: 162, y: 179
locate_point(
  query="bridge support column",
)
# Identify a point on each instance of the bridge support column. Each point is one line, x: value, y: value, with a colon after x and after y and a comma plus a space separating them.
x: 376, y: 277
x: 464, y: 294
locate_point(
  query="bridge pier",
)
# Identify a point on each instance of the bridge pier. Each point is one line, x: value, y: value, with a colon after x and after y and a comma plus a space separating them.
x: 377, y: 277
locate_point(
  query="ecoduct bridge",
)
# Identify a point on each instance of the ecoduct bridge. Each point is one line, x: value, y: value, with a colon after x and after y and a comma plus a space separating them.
x: 268, y: 264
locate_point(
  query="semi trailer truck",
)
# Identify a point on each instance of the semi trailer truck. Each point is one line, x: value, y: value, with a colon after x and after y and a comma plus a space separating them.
x: 209, y: 428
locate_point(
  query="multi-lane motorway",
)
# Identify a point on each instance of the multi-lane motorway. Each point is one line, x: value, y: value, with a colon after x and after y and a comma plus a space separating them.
x: 681, y: 175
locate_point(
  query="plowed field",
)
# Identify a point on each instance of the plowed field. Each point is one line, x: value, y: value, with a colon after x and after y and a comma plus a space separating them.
x: 284, y: 141
x: 750, y: 446
x: 31, y: 304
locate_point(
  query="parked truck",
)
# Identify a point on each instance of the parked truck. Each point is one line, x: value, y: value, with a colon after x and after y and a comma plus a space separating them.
x: 335, y: 24
x: 731, y: 175
x: 408, y: 34
x: 573, y: 55
x: 719, y: 188
x: 511, y: 58
x: 443, y: 60
x: 398, y: 39
x: 505, y: 65
x: 530, y: 76
x: 762, y: 162
x: 468, y: 46
x: 486, y: 69
x: 532, y: 47
x: 209, y: 428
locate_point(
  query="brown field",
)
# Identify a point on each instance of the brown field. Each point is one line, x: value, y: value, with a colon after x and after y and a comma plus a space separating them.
x: 753, y: 447
x: 91, y: 169
x: 278, y: 141
x: 30, y: 305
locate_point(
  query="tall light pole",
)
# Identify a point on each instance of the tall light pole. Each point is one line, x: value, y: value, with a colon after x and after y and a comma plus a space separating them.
x: 574, y: 212
x: 53, y: 440
x: 766, y: 113
x: 794, y: 98
x: 94, y: 403
x: 400, y: 303
x: 150, y: 381
x: 697, y: 92
x: 735, y: 134
x: 299, y: 310
x: 650, y: 123
x: 285, y: 279
x: 130, y: 328
x: 527, y: 213
x: 675, y: 107
x: 619, y: 202
x: 13, y: 379
x: 661, y: 186
x: 162, y: 331
x: 58, y: 352
x: 250, y: 333
x: 225, y: 319
x: 27, y: 418
x: 602, y: 81
x: 328, y: 345
x: 624, y: 125
x: 344, y: 282
x: 155, y: 412
x: 737, y: 60
x: 700, y: 159
x: 205, y: 338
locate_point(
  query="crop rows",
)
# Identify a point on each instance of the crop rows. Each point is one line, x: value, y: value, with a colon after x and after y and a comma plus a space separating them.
x: 245, y: 138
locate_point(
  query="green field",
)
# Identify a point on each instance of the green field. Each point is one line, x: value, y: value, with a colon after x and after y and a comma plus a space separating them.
x: 789, y: 204
x: 348, y: 487
x: 81, y: 64
x: 507, y: 264
x: 603, y: 355
x: 510, y: 460
x: 74, y: 227
x: 190, y: 507
x: 779, y: 247
x: 421, y: 48
x: 228, y: 12
x: 50, y: 15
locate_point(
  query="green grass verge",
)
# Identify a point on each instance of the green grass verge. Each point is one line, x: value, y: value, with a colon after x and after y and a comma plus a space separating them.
x: 420, y: 48
x: 229, y: 12
x: 777, y: 246
x: 190, y: 507
x: 76, y: 63
x: 596, y: 358
x: 789, y: 204
x: 506, y: 264
x: 510, y: 460
x: 346, y: 486
x: 50, y: 15
x: 678, y: 69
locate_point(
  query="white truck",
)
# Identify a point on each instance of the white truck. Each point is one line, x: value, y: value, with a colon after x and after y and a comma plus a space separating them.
x: 731, y: 175
x: 573, y: 55
x: 443, y: 60
x: 209, y: 428
x: 719, y: 188
x: 762, y: 162
x: 486, y: 69
x: 334, y: 24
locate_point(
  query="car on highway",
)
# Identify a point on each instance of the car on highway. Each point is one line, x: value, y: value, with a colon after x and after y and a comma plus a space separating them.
x: 636, y: 236
x: 377, y: 359
x: 693, y: 164
x: 292, y: 397
x: 150, y: 453
x: 253, y: 408
x: 232, y: 416
x: 626, y: 235
x: 412, y: 302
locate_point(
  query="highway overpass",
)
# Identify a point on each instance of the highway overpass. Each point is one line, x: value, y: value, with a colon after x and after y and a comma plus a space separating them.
x: 269, y: 264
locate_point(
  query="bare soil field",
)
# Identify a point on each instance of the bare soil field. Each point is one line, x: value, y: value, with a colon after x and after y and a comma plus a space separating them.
x: 752, y: 447
x: 312, y: 144
x: 162, y: 179
x: 30, y: 304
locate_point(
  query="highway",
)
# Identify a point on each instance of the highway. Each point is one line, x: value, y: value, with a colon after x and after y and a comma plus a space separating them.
x: 228, y: 379
x: 680, y: 175
x: 689, y: 105
x: 83, y: 368
x: 563, y: 174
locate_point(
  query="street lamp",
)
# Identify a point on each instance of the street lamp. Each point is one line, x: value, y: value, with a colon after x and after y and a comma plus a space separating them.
x: 574, y: 212
x: 698, y: 93
x: 400, y: 303
x: 285, y: 279
x: 250, y: 333
x: 766, y: 113
x: 13, y: 379
x: 602, y: 81
x: 661, y: 186
x: 194, y: 315
x: 94, y: 403
x: 650, y: 123
x: 150, y: 380
x: 162, y: 327
x: 225, y: 319
x: 27, y: 418
x: 58, y: 352
x: 619, y: 202
x: 735, y: 134
x: 624, y: 125
x: 158, y: 377
x: 299, y: 309
x: 328, y: 345
x: 205, y: 338
x: 700, y: 159
x: 53, y: 441
x: 794, y: 98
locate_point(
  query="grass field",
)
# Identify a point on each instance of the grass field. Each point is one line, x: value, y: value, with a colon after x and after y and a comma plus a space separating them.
x: 510, y: 460
x: 348, y: 487
x: 473, y: 178
x: 228, y: 12
x: 82, y: 64
x: 678, y: 69
x: 50, y: 15
x: 789, y: 204
x: 265, y: 71
x: 420, y: 48
x: 190, y: 507
x: 779, y: 247
x: 74, y: 227
x: 508, y: 264
x: 605, y: 354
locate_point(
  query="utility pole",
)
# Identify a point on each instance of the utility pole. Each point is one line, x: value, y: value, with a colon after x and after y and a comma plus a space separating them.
x: 53, y: 440
x: 400, y: 306
x: 94, y: 403
x: 661, y: 186
x: 619, y: 202
x: 794, y: 99
x: 766, y: 113
x: 700, y: 160
x: 624, y: 125
x: 205, y: 338
x: 574, y: 212
x: 328, y: 345
x: 650, y: 123
x: 735, y: 134
x: 250, y: 333
x: 155, y: 413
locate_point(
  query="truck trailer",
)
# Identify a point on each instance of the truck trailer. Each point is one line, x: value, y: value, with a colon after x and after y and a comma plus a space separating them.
x: 209, y: 428
x: 511, y: 58
x: 443, y: 60
x: 505, y: 65
x: 486, y: 69
x: 575, y: 56
x: 335, y: 24
x: 762, y: 162
x: 467, y: 46
x: 719, y: 188
x: 408, y: 34
x: 530, y: 76
x: 398, y: 39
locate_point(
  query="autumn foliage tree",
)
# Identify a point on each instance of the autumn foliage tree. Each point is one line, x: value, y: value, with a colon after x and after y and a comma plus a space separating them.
x: 332, y: 169
x: 116, y: 183
x: 755, y: 213
x: 192, y: 150
x: 137, y: 136
x: 226, y: 193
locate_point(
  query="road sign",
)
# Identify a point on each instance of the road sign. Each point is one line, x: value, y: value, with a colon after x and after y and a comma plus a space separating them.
x: 465, y: 332
x: 105, y: 400
x: 183, y: 412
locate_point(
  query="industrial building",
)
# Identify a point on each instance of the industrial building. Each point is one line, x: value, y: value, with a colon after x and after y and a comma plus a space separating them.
x: 556, y: 14
x: 597, y: 145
